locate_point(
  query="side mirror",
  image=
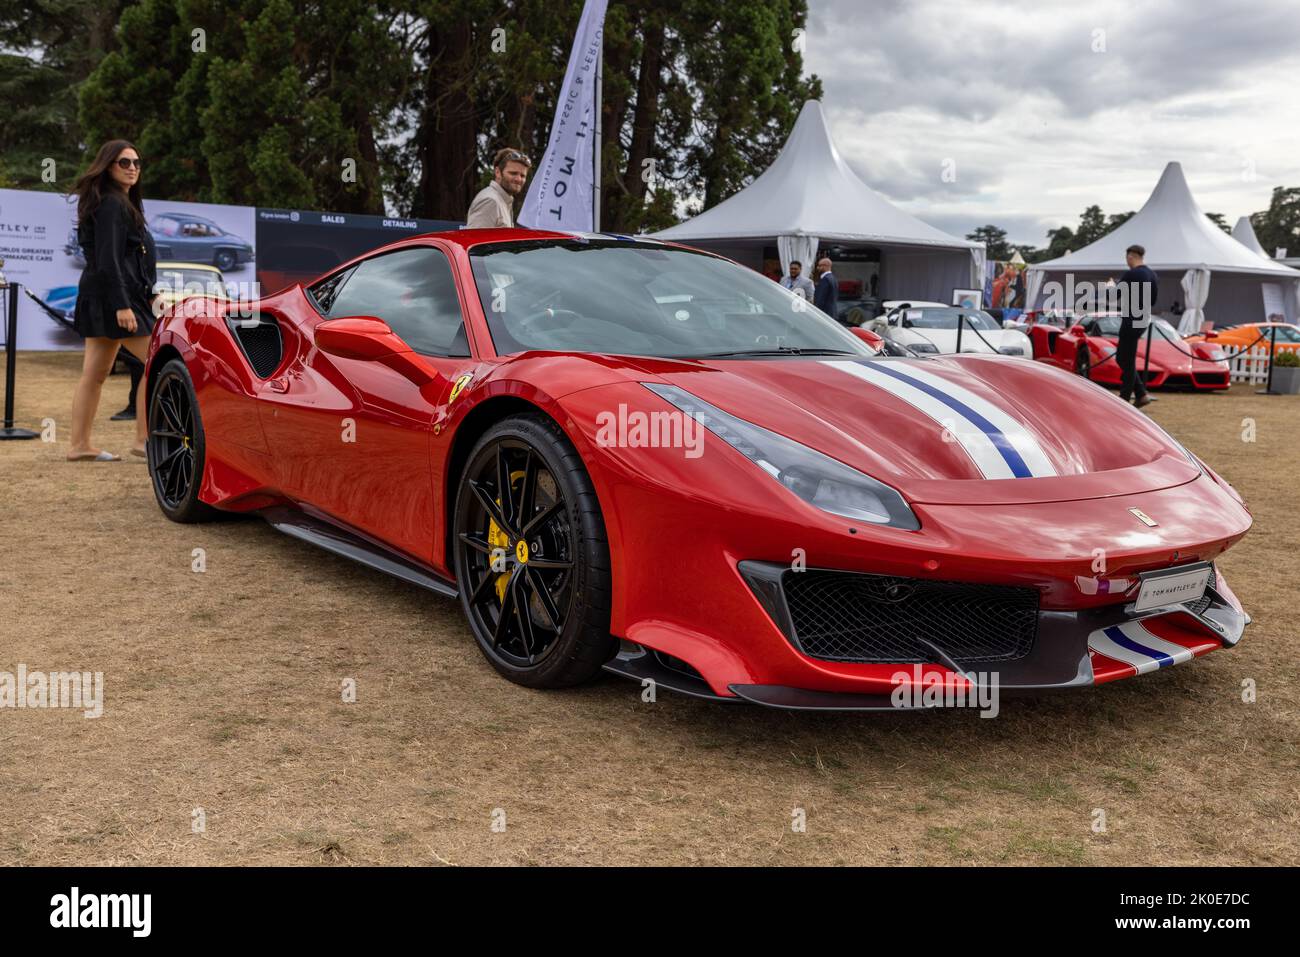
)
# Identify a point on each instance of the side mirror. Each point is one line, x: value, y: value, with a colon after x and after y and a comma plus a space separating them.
x: 1211, y: 334
x: 1078, y: 330
x: 870, y: 338
x: 370, y: 339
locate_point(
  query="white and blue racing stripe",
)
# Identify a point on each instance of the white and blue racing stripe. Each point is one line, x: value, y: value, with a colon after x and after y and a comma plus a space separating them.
x: 1000, y: 446
x: 1134, y: 645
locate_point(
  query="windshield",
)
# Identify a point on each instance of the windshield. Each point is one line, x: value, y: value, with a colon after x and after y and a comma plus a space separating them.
x: 643, y: 299
x: 947, y: 318
x: 1110, y: 326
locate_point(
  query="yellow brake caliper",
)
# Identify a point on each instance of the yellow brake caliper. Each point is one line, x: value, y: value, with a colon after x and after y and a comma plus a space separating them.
x: 497, y: 538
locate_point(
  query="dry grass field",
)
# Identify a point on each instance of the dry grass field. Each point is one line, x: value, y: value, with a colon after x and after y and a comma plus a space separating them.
x: 222, y: 693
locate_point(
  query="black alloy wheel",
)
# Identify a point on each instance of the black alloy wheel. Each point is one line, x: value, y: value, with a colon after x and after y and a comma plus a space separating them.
x: 175, y: 446
x: 531, y: 557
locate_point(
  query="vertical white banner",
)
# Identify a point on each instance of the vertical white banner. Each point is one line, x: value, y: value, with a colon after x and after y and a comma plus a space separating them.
x: 562, y: 191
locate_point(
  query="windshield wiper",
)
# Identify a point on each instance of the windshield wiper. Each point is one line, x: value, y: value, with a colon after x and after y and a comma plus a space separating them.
x: 778, y: 351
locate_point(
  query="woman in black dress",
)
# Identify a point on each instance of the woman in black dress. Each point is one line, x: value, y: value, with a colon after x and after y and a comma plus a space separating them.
x: 115, y: 296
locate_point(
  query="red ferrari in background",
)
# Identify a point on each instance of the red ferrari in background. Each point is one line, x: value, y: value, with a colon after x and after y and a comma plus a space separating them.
x: 629, y: 455
x: 1086, y: 345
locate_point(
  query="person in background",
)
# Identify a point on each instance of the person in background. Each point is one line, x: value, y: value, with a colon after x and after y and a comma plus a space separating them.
x: 495, y: 203
x: 1139, y: 288
x: 114, y: 297
x: 827, y: 295
x: 136, y: 368
x: 797, y: 282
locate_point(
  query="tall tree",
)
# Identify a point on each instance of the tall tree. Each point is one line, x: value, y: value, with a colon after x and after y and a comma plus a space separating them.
x: 47, y: 48
x: 1278, y: 227
x: 994, y: 238
x: 256, y: 103
x: 744, y: 67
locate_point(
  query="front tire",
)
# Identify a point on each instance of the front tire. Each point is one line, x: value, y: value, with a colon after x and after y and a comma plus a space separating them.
x: 176, y: 448
x: 531, y: 556
x: 1083, y: 362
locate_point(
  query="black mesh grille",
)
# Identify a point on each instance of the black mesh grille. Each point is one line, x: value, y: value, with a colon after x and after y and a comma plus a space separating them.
x: 844, y: 616
x: 1198, y: 607
x: 261, y: 343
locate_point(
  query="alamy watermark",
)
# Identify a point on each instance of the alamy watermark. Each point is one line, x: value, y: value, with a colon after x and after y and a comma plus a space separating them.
x: 636, y: 429
x: 83, y: 690
x: 1084, y: 296
x: 921, y: 689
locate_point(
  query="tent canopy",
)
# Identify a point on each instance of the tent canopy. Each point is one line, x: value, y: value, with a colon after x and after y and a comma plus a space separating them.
x: 810, y: 191
x: 1176, y: 234
x: 1244, y: 233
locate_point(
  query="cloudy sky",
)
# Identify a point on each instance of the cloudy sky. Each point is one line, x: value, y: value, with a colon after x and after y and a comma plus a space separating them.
x: 1046, y: 108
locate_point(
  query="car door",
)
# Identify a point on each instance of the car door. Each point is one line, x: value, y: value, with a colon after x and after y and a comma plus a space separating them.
x: 361, y: 428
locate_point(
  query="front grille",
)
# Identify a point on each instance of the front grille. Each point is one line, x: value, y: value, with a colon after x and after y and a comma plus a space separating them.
x: 845, y: 616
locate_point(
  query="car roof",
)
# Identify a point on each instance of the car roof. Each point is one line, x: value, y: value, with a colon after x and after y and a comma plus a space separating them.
x: 469, y: 238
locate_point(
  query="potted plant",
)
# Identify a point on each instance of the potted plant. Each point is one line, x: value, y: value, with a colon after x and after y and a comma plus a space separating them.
x: 1286, y: 372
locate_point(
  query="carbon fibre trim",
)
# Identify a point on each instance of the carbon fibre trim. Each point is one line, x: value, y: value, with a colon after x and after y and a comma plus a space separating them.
x: 333, y: 537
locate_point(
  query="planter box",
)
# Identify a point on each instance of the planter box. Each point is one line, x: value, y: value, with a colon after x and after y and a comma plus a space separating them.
x: 1286, y: 379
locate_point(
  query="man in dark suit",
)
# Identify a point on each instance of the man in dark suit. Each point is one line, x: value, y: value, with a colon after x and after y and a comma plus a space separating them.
x: 1137, y: 290
x: 827, y: 295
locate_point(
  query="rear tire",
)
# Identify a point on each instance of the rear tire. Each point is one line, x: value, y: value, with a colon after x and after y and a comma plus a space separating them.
x: 176, y: 448
x: 540, y: 612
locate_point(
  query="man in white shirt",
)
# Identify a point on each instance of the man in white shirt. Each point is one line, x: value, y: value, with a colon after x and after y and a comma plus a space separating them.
x: 797, y: 282
x: 494, y: 204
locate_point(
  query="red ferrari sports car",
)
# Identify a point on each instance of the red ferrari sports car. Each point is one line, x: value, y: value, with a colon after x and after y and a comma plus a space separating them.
x: 1086, y: 345
x: 629, y: 455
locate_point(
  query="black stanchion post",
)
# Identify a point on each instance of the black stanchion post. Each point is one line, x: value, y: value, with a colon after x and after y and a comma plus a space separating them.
x: 961, y: 321
x: 1272, y: 354
x: 10, y: 291
x: 1146, y: 367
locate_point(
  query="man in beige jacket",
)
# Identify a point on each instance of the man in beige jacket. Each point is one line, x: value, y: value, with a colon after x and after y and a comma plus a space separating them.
x: 494, y: 204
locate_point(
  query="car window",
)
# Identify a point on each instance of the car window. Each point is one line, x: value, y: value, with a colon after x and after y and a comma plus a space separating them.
x: 413, y: 291
x: 947, y: 318
x: 323, y: 292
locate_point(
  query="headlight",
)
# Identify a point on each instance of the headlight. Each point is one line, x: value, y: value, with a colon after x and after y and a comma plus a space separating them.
x: 816, y: 478
x: 1011, y: 350
x: 928, y: 347
x: 1216, y: 354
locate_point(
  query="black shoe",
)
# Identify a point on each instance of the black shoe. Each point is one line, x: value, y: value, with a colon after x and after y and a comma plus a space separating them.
x: 126, y: 415
x: 1142, y: 400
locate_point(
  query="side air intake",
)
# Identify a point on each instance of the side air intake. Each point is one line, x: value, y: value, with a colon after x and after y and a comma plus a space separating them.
x: 261, y: 344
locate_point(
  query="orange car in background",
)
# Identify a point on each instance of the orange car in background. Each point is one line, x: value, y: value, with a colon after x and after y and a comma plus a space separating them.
x: 1239, y: 337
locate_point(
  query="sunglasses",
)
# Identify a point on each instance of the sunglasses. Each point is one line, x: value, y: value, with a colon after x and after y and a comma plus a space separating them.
x: 125, y: 163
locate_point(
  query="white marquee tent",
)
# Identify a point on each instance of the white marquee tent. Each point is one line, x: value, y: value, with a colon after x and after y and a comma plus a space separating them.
x: 1185, y: 249
x: 1244, y: 233
x: 809, y: 197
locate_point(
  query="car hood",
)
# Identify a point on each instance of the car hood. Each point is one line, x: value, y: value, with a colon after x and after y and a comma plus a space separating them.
x: 953, y: 429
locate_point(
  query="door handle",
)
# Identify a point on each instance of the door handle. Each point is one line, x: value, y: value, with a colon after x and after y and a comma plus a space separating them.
x: 277, y: 385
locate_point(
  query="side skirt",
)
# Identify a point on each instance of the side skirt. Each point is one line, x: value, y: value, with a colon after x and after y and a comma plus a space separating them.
x: 342, y: 541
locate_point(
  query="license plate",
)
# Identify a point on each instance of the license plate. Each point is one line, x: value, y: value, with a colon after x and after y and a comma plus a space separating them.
x: 1172, y: 586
